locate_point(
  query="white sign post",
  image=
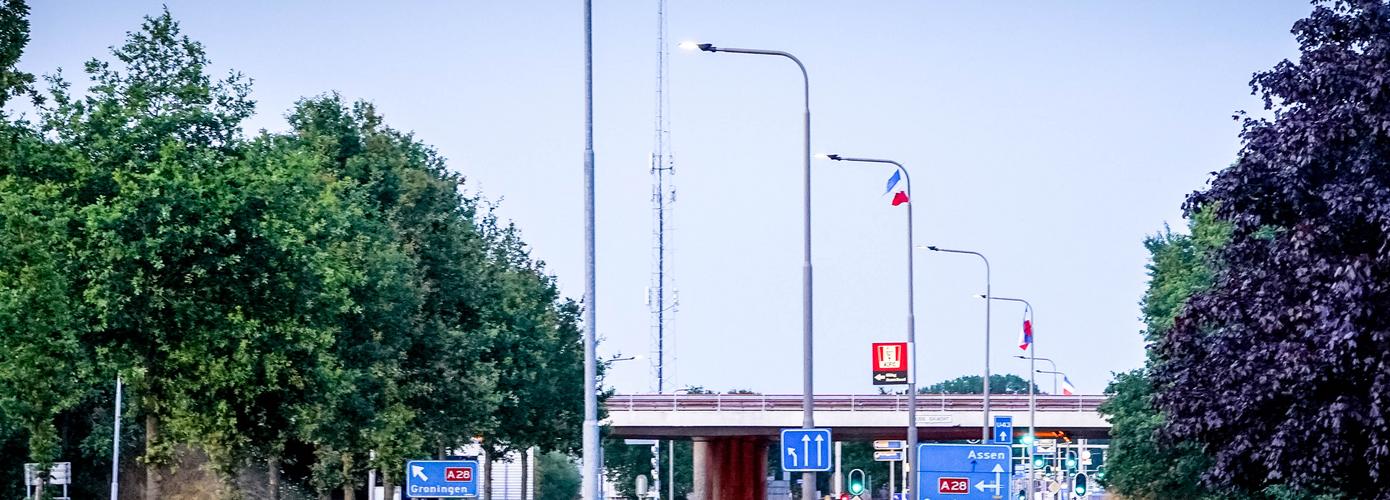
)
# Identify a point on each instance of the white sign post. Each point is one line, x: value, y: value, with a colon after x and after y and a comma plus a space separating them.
x: 59, y: 474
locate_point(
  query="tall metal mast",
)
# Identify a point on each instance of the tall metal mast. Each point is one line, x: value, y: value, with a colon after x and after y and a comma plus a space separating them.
x: 663, y: 196
x: 661, y: 300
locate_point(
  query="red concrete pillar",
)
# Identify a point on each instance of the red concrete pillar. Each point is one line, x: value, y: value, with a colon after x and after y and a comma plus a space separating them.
x: 730, y: 468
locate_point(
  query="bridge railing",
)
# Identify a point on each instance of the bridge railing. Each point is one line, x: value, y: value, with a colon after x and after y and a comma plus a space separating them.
x: 846, y: 402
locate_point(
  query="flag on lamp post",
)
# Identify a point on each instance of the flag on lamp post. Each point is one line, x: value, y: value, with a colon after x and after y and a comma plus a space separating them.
x: 899, y: 196
x: 1067, y: 388
x: 1025, y: 338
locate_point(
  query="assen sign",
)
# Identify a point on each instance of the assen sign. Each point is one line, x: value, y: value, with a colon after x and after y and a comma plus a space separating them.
x: 890, y: 363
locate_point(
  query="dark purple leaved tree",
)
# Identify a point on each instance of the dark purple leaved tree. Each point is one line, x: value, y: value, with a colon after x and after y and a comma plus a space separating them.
x: 1282, y: 370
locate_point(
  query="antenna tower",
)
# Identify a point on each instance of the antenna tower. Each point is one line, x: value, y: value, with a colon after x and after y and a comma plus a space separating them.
x: 662, y: 299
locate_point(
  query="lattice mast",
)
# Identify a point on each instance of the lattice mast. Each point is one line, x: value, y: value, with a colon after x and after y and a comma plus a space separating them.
x: 662, y: 299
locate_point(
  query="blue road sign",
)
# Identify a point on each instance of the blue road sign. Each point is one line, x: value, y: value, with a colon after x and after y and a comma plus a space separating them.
x: 806, y: 450
x: 441, y: 478
x: 963, y: 471
x: 1003, y: 429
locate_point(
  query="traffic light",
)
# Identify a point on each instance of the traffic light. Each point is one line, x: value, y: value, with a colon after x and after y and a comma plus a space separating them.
x: 856, y: 482
x: 1028, y: 439
x: 1078, y: 484
x: 1071, y: 461
x: 1038, y: 463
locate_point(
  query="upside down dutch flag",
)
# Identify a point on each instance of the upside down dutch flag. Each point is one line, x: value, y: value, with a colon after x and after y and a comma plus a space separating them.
x: 900, y: 196
x: 1067, y: 388
x: 1025, y: 338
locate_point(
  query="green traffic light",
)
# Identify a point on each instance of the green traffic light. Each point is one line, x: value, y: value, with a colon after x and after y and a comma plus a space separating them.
x: 1078, y: 485
x: 1038, y: 463
x: 856, y: 482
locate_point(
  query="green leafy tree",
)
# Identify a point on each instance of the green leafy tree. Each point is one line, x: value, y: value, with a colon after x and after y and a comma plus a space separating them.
x: 1140, y: 464
x: 557, y: 477
x: 14, y: 36
x: 972, y: 384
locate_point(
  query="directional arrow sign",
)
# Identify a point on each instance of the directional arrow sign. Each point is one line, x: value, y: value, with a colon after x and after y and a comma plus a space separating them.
x: 805, y: 450
x: 1003, y: 429
x: 888, y: 456
x: 441, y: 478
x: 890, y: 444
x: 963, y: 471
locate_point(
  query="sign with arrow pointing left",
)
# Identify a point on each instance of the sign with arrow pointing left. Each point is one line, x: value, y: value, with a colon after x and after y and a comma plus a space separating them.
x: 441, y: 478
x: 890, y: 363
x: 963, y: 471
x: 805, y: 450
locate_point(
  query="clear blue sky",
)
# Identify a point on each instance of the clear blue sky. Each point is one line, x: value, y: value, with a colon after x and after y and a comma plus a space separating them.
x: 1052, y: 136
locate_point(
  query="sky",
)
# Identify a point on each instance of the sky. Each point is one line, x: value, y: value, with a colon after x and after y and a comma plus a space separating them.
x: 1052, y: 137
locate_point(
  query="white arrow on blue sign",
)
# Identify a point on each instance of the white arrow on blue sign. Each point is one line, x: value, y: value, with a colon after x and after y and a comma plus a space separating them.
x: 1003, y: 429
x: 963, y: 471
x: 805, y: 450
x: 441, y: 478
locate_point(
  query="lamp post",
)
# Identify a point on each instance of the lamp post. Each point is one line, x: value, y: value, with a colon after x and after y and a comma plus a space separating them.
x: 1032, y: 396
x: 1054, y: 371
x: 984, y: 426
x: 590, y: 480
x: 808, y: 479
x: 911, y: 318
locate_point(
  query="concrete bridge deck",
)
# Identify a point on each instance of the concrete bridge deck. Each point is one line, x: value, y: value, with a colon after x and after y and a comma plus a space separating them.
x: 852, y: 417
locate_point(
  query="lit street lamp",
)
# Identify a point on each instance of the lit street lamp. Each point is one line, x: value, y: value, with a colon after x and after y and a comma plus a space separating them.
x: 911, y: 318
x: 984, y: 426
x: 808, y: 479
x: 1032, y: 384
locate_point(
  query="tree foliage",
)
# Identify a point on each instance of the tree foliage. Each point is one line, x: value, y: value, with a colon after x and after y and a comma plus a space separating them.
x: 1278, y: 371
x: 973, y: 384
x: 1140, y: 464
x: 330, y: 289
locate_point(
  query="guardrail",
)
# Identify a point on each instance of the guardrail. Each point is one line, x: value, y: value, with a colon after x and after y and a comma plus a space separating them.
x: 847, y: 402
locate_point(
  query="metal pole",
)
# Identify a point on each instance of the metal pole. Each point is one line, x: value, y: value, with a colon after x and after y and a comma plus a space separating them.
x: 989, y: 297
x: 808, y: 420
x: 590, y: 480
x: 1032, y: 382
x: 116, y: 445
x: 911, y: 316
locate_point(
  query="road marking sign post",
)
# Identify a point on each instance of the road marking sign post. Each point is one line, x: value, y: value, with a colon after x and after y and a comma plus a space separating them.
x: 888, y: 456
x: 805, y: 450
x: 890, y: 363
x: 890, y: 444
x: 963, y: 471
x: 441, y: 478
x: 1003, y: 429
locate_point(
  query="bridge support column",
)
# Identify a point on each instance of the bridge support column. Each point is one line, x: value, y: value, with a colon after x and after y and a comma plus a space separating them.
x: 730, y: 468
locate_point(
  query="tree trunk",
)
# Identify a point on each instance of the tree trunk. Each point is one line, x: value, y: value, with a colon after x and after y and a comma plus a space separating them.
x: 386, y: 486
x: 347, y: 477
x: 525, y: 469
x: 487, y: 476
x: 272, y: 466
x: 152, y: 479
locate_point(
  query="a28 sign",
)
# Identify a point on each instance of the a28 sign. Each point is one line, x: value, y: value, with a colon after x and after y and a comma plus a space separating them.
x: 455, y: 474
x: 953, y: 486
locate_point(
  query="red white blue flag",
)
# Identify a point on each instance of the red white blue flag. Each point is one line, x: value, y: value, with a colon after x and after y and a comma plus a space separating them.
x: 1025, y: 338
x: 1067, y: 388
x: 899, y: 195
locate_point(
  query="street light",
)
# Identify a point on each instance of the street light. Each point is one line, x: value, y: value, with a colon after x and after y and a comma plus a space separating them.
x: 1054, y: 373
x: 984, y: 426
x: 808, y: 479
x: 911, y: 318
x: 1032, y: 383
x: 1054, y: 367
